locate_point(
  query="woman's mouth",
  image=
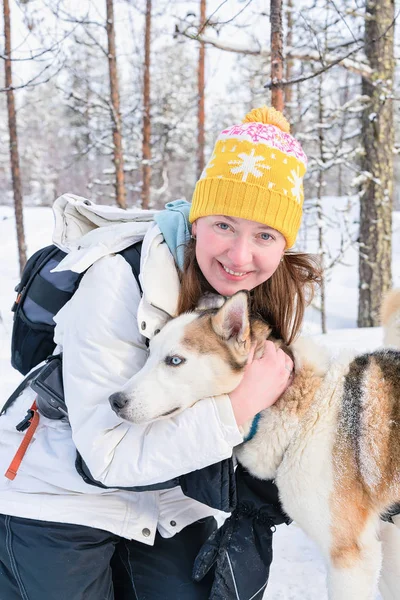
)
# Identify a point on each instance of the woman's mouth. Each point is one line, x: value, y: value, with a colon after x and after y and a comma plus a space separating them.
x: 233, y: 275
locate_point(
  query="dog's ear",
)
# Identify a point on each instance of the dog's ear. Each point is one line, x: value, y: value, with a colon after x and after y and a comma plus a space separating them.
x: 231, y: 322
x: 209, y: 301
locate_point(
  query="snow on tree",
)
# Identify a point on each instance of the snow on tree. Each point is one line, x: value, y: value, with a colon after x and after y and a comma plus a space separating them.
x: 65, y: 109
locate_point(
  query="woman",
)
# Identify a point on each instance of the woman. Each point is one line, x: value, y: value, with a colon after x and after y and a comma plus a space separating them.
x: 64, y: 538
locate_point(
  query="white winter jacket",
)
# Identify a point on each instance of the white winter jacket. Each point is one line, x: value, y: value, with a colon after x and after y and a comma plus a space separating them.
x: 100, y: 332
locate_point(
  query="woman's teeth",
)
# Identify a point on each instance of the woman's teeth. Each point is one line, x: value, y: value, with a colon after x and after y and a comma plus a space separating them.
x: 233, y: 272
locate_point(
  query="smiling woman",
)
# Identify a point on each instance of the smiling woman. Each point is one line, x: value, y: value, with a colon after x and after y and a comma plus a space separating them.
x: 246, y: 213
x: 118, y: 501
x: 232, y: 254
x: 236, y: 254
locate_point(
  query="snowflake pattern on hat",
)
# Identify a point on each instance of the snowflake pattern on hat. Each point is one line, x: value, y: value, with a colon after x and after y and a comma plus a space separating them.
x: 248, y: 164
x: 297, y: 181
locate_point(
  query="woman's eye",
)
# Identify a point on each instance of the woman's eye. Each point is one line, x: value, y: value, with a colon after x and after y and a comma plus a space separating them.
x: 266, y: 236
x: 223, y: 226
x: 174, y: 361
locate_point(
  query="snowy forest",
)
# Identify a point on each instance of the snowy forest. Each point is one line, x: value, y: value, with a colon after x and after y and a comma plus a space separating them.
x: 121, y: 102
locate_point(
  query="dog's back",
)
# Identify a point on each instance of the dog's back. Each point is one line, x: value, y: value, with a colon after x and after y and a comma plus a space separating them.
x: 369, y: 419
x: 368, y: 435
x: 390, y: 318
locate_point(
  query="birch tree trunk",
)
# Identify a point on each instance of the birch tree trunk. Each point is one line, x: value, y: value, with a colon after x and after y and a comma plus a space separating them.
x: 201, y: 88
x: 378, y: 139
x: 12, y: 127
x: 146, y: 148
x: 120, y: 191
x: 277, y: 93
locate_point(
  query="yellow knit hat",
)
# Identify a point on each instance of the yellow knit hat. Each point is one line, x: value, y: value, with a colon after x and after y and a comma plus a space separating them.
x: 255, y: 172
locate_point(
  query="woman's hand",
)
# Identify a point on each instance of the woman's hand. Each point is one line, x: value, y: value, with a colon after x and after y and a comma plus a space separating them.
x: 264, y: 381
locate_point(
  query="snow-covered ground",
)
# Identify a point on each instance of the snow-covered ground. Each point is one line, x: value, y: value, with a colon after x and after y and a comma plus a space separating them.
x: 298, y: 571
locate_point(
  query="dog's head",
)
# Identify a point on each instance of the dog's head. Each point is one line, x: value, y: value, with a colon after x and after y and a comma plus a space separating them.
x: 196, y: 355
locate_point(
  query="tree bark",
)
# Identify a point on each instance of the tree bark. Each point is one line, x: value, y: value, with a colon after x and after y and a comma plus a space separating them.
x: 376, y: 202
x: 120, y: 191
x: 201, y: 98
x: 320, y: 214
x: 146, y: 147
x: 14, y: 154
x: 277, y: 93
x: 289, y: 61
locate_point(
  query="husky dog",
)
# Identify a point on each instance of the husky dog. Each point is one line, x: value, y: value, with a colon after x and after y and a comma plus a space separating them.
x: 331, y: 442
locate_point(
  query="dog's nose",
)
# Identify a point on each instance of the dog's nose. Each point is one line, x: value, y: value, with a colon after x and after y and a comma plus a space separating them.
x: 118, y: 401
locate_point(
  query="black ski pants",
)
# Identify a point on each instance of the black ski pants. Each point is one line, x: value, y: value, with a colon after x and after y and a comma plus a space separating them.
x: 41, y: 560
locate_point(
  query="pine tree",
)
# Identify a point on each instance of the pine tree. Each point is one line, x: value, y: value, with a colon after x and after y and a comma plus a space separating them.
x: 146, y: 147
x: 201, y: 91
x: 277, y: 93
x: 13, y: 135
x: 120, y: 192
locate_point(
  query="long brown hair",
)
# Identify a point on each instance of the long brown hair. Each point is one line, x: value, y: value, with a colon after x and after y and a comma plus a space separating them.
x: 280, y: 301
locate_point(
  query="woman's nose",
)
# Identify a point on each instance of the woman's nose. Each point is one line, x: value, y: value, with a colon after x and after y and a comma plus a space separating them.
x: 240, y: 253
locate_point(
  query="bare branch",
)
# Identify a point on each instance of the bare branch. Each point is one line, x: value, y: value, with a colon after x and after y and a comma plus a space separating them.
x: 41, y: 53
x: 365, y: 72
x: 237, y: 14
x: 208, y: 21
x: 343, y: 19
x: 33, y: 81
x: 354, y: 66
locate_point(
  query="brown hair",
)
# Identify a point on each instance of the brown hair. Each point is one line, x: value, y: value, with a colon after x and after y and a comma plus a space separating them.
x: 280, y: 301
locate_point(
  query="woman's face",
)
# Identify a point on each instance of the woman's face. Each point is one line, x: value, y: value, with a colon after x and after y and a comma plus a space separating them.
x: 236, y: 254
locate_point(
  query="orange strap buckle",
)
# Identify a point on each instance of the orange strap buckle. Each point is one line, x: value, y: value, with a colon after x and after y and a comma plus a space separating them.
x: 29, y: 424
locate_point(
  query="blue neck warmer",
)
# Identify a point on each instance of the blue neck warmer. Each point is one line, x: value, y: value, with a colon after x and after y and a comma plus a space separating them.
x: 175, y: 227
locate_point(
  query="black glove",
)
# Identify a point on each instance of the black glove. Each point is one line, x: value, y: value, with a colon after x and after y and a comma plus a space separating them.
x: 213, y: 485
x: 241, y: 550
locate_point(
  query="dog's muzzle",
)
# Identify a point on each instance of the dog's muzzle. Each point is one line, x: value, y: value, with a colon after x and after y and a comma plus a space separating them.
x: 118, y: 401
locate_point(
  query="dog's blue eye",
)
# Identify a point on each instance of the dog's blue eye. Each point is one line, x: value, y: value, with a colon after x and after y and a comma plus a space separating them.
x: 174, y: 361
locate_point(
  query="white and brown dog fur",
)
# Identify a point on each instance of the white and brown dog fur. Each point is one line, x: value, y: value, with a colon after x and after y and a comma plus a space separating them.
x: 331, y: 442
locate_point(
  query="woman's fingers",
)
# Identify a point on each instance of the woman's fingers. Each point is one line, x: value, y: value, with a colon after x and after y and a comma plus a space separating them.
x: 289, y: 366
x: 264, y: 381
x: 269, y: 351
x: 276, y: 360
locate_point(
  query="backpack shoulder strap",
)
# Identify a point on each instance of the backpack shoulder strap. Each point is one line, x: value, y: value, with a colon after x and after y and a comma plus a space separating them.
x: 44, y: 293
x: 132, y: 257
